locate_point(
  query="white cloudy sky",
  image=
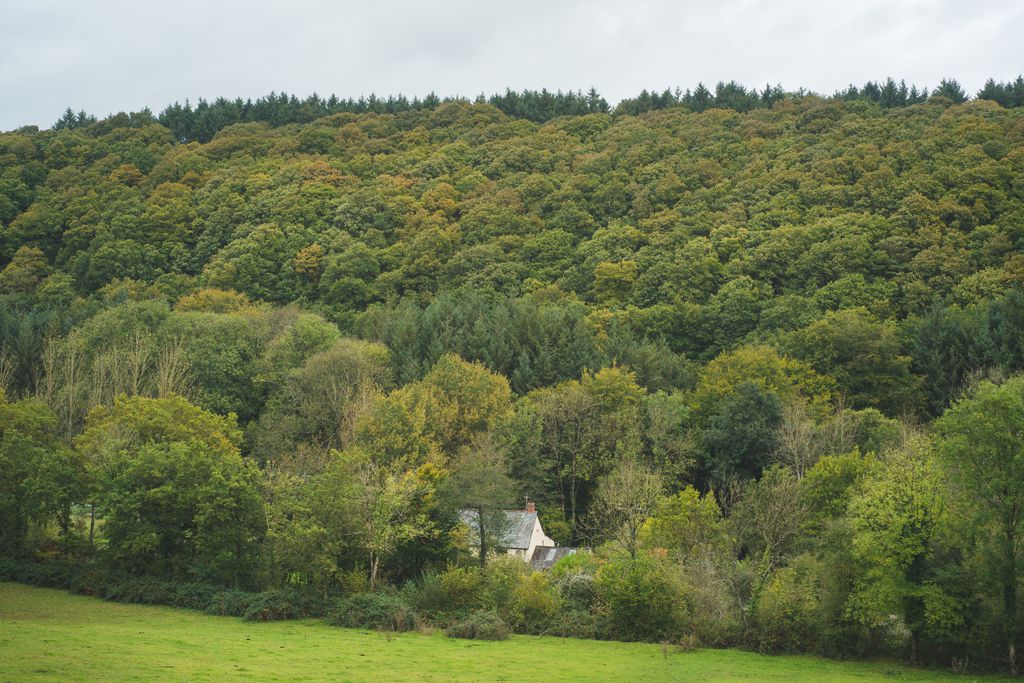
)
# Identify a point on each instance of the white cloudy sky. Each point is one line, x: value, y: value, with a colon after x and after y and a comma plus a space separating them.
x: 109, y: 55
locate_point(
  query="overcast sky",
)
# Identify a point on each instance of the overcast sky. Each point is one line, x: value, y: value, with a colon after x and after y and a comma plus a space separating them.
x: 106, y: 56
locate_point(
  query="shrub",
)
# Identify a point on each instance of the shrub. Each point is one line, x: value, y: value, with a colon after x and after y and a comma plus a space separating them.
x: 787, y: 613
x: 449, y: 595
x: 580, y: 563
x: 354, y: 581
x: 278, y: 605
x: 15, y: 570
x: 378, y: 611
x: 232, y: 603
x: 143, y: 590
x: 193, y: 595
x: 501, y: 580
x: 641, y: 598
x: 575, y: 623
x: 426, y: 594
x: 50, y: 574
x: 480, y: 625
x: 91, y: 581
x: 8, y: 569
x: 462, y: 587
x: 534, y: 605
x: 58, y: 574
x: 716, y: 587
x: 573, y: 578
x: 576, y: 591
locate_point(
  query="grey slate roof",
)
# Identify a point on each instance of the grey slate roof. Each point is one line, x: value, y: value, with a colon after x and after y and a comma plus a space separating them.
x: 518, y: 528
x: 544, y: 557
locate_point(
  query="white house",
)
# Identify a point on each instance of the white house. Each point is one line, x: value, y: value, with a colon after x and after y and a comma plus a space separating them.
x: 523, y: 532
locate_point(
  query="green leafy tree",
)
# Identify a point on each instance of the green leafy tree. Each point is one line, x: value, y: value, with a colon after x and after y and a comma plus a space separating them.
x: 785, y: 377
x: 686, y: 524
x: 625, y: 499
x: 742, y: 435
x: 222, y: 352
x: 320, y: 402
x: 670, y: 444
x: 579, y: 429
x: 304, y: 548
x: 864, y: 356
x: 982, y: 441
x: 613, y: 281
x: 38, y: 478
x: 176, y: 497
x: 62, y: 482
x: 25, y: 271
x: 898, y: 520
x: 383, y: 508
x: 480, y: 486
x: 436, y: 418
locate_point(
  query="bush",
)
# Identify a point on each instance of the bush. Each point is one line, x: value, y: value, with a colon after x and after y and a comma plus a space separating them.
x: 279, y: 605
x: 426, y: 594
x: 461, y: 587
x: 580, y: 563
x: 716, y: 589
x: 577, y: 591
x: 92, y: 581
x: 641, y: 598
x: 354, y: 581
x: 8, y: 569
x: 787, y: 613
x: 193, y: 595
x: 524, y: 600
x: 48, y: 574
x: 13, y: 570
x: 573, y: 578
x: 143, y: 590
x: 575, y: 623
x: 534, y: 604
x: 377, y: 611
x: 449, y: 595
x: 481, y: 625
x: 231, y: 603
x: 501, y: 580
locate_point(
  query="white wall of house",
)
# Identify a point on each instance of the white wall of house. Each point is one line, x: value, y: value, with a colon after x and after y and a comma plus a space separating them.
x: 538, y: 539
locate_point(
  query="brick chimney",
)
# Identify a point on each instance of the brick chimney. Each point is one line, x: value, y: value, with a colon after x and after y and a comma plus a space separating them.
x: 531, y: 507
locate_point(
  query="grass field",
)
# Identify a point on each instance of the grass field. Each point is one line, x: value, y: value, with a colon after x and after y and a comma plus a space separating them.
x: 49, y: 634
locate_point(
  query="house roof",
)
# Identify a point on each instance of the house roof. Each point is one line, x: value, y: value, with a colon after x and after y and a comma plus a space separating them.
x: 517, y: 532
x: 544, y: 557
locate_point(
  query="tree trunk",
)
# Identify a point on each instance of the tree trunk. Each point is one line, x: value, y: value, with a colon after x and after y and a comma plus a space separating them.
x: 374, y: 563
x: 65, y: 527
x: 572, y: 505
x: 1010, y: 598
x: 483, y: 537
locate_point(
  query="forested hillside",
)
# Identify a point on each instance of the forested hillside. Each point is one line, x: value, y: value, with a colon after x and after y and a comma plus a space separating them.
x: 758, y: 353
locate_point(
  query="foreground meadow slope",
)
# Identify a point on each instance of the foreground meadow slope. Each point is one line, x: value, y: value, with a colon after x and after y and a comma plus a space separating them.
x: 48, y: 635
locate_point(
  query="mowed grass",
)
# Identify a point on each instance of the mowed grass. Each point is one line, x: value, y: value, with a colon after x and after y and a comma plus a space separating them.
x: 48, y: 634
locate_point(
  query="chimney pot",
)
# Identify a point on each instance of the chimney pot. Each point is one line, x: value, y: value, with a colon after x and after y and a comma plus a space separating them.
x: 531, y: 507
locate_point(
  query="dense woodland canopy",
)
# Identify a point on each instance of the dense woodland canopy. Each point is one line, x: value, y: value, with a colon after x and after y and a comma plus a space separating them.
x: 757, y: 348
